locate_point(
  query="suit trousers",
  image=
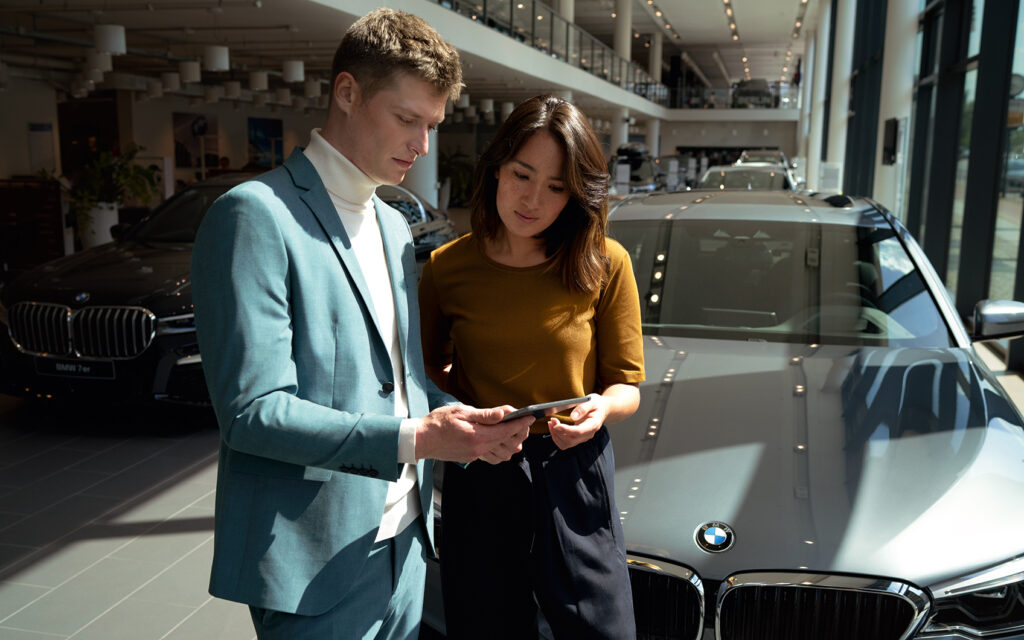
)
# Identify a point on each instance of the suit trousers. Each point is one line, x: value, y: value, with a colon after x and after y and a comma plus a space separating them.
x: 541, y: 529
x: 385, y: 602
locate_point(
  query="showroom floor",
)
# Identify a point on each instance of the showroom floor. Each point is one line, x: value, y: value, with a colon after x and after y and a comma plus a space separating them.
x: 106, y: 525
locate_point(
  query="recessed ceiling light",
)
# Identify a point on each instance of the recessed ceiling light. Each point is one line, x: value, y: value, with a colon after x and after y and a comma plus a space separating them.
x: 736, y: 37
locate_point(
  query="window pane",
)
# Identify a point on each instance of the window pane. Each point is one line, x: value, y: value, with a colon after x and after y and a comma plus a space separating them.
x: 974, y: 37
x: 960, y: 187
x: 1008, y: 215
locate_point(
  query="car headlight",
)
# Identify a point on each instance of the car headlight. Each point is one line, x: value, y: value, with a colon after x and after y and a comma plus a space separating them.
x: 183, y: 323
x: 986, y: 604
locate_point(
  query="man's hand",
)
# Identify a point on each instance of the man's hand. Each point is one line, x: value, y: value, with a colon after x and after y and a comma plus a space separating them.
x: 463, y: 434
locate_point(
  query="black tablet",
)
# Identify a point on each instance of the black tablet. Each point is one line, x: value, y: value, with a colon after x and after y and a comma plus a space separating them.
x: 541, y: 410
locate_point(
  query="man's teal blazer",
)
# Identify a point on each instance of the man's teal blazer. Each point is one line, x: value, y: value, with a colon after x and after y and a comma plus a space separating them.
x: 303, y: 389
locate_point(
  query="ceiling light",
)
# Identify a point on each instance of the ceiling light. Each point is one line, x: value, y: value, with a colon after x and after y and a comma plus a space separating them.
x: 657, y: 13
x: 154, y: 89
x: 732, y: 26
x: 728, y: 11
x: 232, y: 89
x: 258, y: 81
x: 293, y: 71
x: 613, y: 14
x: 798, y: 24
x: 97, y: 60
x: 216, y: 58
x: 744, y: 58
x: 171, y: 81
x: 190, y: 71
x: 784, y: 69
x: 283, y: 95
x: 110, y: 38
x: 735, y: 37
x: 668, y: 26
x: 311, y: 89
x: 487, y: 105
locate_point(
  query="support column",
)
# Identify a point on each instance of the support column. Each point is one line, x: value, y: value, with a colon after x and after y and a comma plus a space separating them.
x: 654, y: 62
x: 624, y: 28
x: 421, y: 178
x: 839, y: 111
x: 567, y: 9
x: 654, y: 137
x: 620, y: 128
x: 817, y: 132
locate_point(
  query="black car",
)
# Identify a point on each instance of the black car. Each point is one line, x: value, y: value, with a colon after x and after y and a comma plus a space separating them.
x: 116, y: 321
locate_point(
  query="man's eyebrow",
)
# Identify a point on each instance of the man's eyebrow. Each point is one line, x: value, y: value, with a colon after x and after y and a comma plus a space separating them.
x: 518, y: 161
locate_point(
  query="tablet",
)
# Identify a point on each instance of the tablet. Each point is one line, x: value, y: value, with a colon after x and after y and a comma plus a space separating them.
x: 541, y: 410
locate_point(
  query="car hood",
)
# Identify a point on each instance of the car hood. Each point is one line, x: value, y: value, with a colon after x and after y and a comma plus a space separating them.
x: 131, y: 273
x: 895, y: 462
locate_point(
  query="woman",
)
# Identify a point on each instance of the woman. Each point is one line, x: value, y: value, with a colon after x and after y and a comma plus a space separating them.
x: 536, y: 305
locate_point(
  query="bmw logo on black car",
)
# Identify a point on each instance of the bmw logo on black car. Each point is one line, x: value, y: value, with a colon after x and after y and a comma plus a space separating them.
x: 714, y: 537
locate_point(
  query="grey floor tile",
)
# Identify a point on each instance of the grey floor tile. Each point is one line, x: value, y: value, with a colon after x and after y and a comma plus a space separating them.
x: 169, y: 541
x: 57, y: 563
x: 79, y: 601
x: 56, y: 521
x: 48, y: 490
x: 10, y: 553
x: 160, y: 503
x: 137, y: 478
x: 14, y: 596
x: 134, y: 620
x: 7, y: 633
x: 31, y: 469
x: 216, y: 620
x: 129, y: 452
x: 197, y: 445
x: 186, y: 583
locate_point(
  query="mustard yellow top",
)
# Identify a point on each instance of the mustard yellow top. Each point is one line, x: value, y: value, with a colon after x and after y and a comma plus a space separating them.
x: 516, y: 335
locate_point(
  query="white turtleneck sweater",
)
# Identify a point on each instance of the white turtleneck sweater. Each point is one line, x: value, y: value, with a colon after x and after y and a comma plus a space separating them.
x: 351, y: 192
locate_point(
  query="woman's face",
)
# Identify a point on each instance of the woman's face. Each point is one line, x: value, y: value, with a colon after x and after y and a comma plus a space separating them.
x: 531, y: 189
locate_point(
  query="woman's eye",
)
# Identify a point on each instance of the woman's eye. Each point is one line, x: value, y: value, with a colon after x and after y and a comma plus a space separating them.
x: 519, y: 176
x: 557, y: 189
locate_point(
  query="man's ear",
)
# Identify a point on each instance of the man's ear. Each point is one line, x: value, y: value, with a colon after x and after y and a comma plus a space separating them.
x: 346, y: 92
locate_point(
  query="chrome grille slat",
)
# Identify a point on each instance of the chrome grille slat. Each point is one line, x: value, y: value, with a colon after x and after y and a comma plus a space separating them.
x: 668, y: 600
x: 110, y: 332
x: 780, y: 606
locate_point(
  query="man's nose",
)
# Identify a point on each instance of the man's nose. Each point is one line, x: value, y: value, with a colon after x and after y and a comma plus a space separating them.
x: 421, y: 145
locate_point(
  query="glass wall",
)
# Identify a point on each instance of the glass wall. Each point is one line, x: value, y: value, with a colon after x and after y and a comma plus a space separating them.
x: 963, y: 158
x: 1011, y: 191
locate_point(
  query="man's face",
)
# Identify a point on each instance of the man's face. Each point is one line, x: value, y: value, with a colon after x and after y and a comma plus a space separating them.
x: 388, y: 131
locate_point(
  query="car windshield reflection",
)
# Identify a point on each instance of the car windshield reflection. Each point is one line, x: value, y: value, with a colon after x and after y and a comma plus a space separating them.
x: 178, y: 219
x: 780, y: 282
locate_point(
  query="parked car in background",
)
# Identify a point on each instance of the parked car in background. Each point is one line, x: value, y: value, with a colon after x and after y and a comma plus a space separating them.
x: 634, y: 170
x: 757, y: 177
x: 819, y: 451
x: 116, y: 321
x: 765, y: 156
x: 753, y: 93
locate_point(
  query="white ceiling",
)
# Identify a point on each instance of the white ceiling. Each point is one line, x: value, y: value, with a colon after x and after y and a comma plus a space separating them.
x: 56, y: 34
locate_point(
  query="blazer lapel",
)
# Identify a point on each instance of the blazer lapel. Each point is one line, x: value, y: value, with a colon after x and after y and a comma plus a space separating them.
x: 314, y: 194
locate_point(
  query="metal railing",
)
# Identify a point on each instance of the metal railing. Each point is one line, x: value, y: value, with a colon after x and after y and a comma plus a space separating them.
x: 537, y: 25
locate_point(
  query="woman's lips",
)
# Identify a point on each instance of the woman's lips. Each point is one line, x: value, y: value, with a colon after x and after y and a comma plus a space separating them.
x: 524, y: 217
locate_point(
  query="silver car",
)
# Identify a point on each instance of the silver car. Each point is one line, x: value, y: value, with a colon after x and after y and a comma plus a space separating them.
x: 747, y: 176
x: 819, y: 452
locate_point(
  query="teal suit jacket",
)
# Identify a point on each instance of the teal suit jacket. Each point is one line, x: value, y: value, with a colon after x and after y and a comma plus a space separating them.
x: 302, y: 386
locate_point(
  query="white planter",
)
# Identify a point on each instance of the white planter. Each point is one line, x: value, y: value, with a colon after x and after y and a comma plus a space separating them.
x: 102, y: 216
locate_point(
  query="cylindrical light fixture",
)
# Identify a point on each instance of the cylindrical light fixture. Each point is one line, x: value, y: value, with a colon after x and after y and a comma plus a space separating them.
x: 83, y: 81
x: 463, y: 101
x: 212, y: 93
x: 457, y: 117
x: 100, y: 61
x: 293, y: 71
x: 298, y: 103
x: 190, y: 71
x: 232, y: 89
x: 110, y: 38
x: 449, y: 108
x: 93, y: 74
x: 471, y: 111
x: 154, y: 89
x: 260, y: 99
x: 506, y: 109
x: 216, y: 58
x: 312, y: 89
x: 258, y: 81
x: 283, y: 95
x: 486, y: 105
x: 171, y: 80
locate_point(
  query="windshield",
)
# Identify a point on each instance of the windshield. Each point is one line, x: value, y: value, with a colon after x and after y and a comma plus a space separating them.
x: 780, y: 282
x: 178, y: 219
x: 762, y: 156
x: 745, y: 179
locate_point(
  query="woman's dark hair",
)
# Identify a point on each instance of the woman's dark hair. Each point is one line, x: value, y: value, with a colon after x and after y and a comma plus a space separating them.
x: 576, y: 239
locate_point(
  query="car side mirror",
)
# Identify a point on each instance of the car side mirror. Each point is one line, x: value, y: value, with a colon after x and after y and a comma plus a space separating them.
x: 998, y: 319
x: 118, y: 231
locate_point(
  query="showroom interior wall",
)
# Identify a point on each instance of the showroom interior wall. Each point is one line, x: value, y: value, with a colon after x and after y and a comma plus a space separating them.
x: 26, y: 102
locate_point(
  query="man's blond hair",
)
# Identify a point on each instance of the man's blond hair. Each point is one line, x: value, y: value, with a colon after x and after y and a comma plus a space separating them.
x: 385, y: 42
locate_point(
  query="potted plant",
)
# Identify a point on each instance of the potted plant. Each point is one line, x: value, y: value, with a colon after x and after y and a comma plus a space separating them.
x: 101, y: 186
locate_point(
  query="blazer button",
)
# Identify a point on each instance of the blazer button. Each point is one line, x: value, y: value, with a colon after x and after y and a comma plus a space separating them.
x: 387, y: 387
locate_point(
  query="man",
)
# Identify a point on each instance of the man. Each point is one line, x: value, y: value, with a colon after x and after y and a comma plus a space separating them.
x: 305, y: 299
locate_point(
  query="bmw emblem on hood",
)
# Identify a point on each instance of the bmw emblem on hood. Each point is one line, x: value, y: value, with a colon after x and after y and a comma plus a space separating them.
x: 714, y: 537
x: 82, y: 297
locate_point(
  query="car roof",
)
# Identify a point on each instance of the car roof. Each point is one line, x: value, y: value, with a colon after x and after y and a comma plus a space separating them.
x: 740, y: 204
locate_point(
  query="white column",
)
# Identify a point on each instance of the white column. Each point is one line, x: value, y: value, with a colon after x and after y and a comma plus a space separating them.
x: 421, y: 179
x: 896, y: 100
x: 821, y: 47
x: 804, y: 103
x: 564, y: 94
x: 567, y: 9
x: 624, y: 28
x: 620, y: 128
x: 846, y: 16
x: 654, y: 63
x: 654, y: 137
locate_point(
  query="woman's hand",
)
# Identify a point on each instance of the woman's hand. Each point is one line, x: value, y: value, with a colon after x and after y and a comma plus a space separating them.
x: 587, y: 418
